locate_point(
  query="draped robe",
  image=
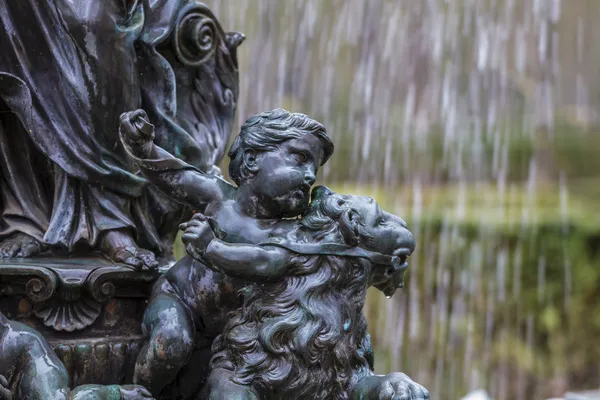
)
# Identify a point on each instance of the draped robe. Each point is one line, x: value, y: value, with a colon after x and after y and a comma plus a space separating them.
x: 68, y: 69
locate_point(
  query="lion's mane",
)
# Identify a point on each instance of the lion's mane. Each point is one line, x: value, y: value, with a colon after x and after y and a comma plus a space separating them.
x: 305, y: 334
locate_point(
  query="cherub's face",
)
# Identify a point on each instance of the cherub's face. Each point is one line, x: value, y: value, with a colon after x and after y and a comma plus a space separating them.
x: 285, y: 176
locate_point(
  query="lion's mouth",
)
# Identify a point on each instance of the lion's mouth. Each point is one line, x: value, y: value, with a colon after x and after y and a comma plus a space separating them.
x: 395, y: 273
x: 402, y: 261
x: 402, y: 255
x: 403, y: 251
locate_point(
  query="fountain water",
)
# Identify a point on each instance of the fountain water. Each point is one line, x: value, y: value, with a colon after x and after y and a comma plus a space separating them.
x: 475, y: 119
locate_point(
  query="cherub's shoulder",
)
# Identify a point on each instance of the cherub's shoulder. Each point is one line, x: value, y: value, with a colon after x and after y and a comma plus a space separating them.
x: 227, y: 188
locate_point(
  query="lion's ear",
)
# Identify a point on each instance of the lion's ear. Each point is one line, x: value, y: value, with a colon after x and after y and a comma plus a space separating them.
x: 349, y: 227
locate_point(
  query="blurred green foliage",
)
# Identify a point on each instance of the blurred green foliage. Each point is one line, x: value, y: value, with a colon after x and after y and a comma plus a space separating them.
x: 530, y: 330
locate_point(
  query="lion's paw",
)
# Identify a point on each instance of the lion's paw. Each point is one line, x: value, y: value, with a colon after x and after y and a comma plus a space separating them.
x: 135, y: 392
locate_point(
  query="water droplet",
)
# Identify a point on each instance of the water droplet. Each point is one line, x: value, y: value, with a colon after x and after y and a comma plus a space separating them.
x: 347, y: 325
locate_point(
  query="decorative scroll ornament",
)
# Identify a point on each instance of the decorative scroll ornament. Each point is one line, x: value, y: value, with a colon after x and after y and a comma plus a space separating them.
x: 40, y: 285
x: 104, y: 283
x: 40, y: 289
x: 196, y: 35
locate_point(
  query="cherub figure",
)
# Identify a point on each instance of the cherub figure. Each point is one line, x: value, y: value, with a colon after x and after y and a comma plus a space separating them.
x: 274, y: 161
x: 300, y: 332
x: 30, y: 369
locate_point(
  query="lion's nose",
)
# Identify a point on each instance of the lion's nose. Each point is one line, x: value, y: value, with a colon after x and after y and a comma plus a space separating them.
x: 407, y: 243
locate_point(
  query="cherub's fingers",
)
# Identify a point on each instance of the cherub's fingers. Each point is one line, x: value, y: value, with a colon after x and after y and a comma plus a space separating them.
x: 199, y: 217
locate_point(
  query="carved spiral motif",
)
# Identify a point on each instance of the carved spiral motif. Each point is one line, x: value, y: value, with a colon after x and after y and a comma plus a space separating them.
x: 40, y: 288
x: 195, y: 36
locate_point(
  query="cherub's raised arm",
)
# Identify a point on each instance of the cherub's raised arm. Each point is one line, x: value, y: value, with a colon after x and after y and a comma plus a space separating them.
x: 251, y: 262
x: 179, y: 180
x: 172, y: 176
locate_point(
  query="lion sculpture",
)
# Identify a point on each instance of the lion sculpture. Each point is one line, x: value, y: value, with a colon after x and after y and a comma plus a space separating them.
x: 301, y: 332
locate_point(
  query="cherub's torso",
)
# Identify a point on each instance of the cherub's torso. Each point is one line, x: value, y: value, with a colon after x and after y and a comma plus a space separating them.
x: 240, y: 228
x: 211, y: 295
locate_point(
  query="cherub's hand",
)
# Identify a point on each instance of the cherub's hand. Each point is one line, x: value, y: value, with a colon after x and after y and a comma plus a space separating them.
x: 5, y: 393
x: 197, y: 234
x: 389, y: 387
x: 137, y: 133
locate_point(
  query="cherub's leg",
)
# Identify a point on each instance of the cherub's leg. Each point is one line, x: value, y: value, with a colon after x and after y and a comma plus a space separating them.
x: 110, y: 392
x: 220, y: 387
x: 170, y: 331
x: 51, y: 382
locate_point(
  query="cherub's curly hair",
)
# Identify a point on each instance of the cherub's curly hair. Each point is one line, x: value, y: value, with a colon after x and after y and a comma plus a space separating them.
x: 305, y: 334
x: 267, y: 130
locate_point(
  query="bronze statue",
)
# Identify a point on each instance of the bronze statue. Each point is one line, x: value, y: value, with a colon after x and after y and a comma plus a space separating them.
x: 274, y: 161
x: 68, y: 70
x: 300, y: 332
x: 30, y: 369
x: 273, y: 288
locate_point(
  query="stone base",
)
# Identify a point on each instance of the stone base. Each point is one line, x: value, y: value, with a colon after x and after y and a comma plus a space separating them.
x: 89, y: 310
x: 99, y: 360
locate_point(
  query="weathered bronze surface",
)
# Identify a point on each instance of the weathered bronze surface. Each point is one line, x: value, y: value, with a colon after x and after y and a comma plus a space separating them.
x: 298, y: 285
x: 68, y: 70
x: 113, y: 116
x: 30, y: 369
x: 88, y: 309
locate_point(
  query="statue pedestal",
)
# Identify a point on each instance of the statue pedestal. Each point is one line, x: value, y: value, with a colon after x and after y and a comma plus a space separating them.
x: 89, y: 310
